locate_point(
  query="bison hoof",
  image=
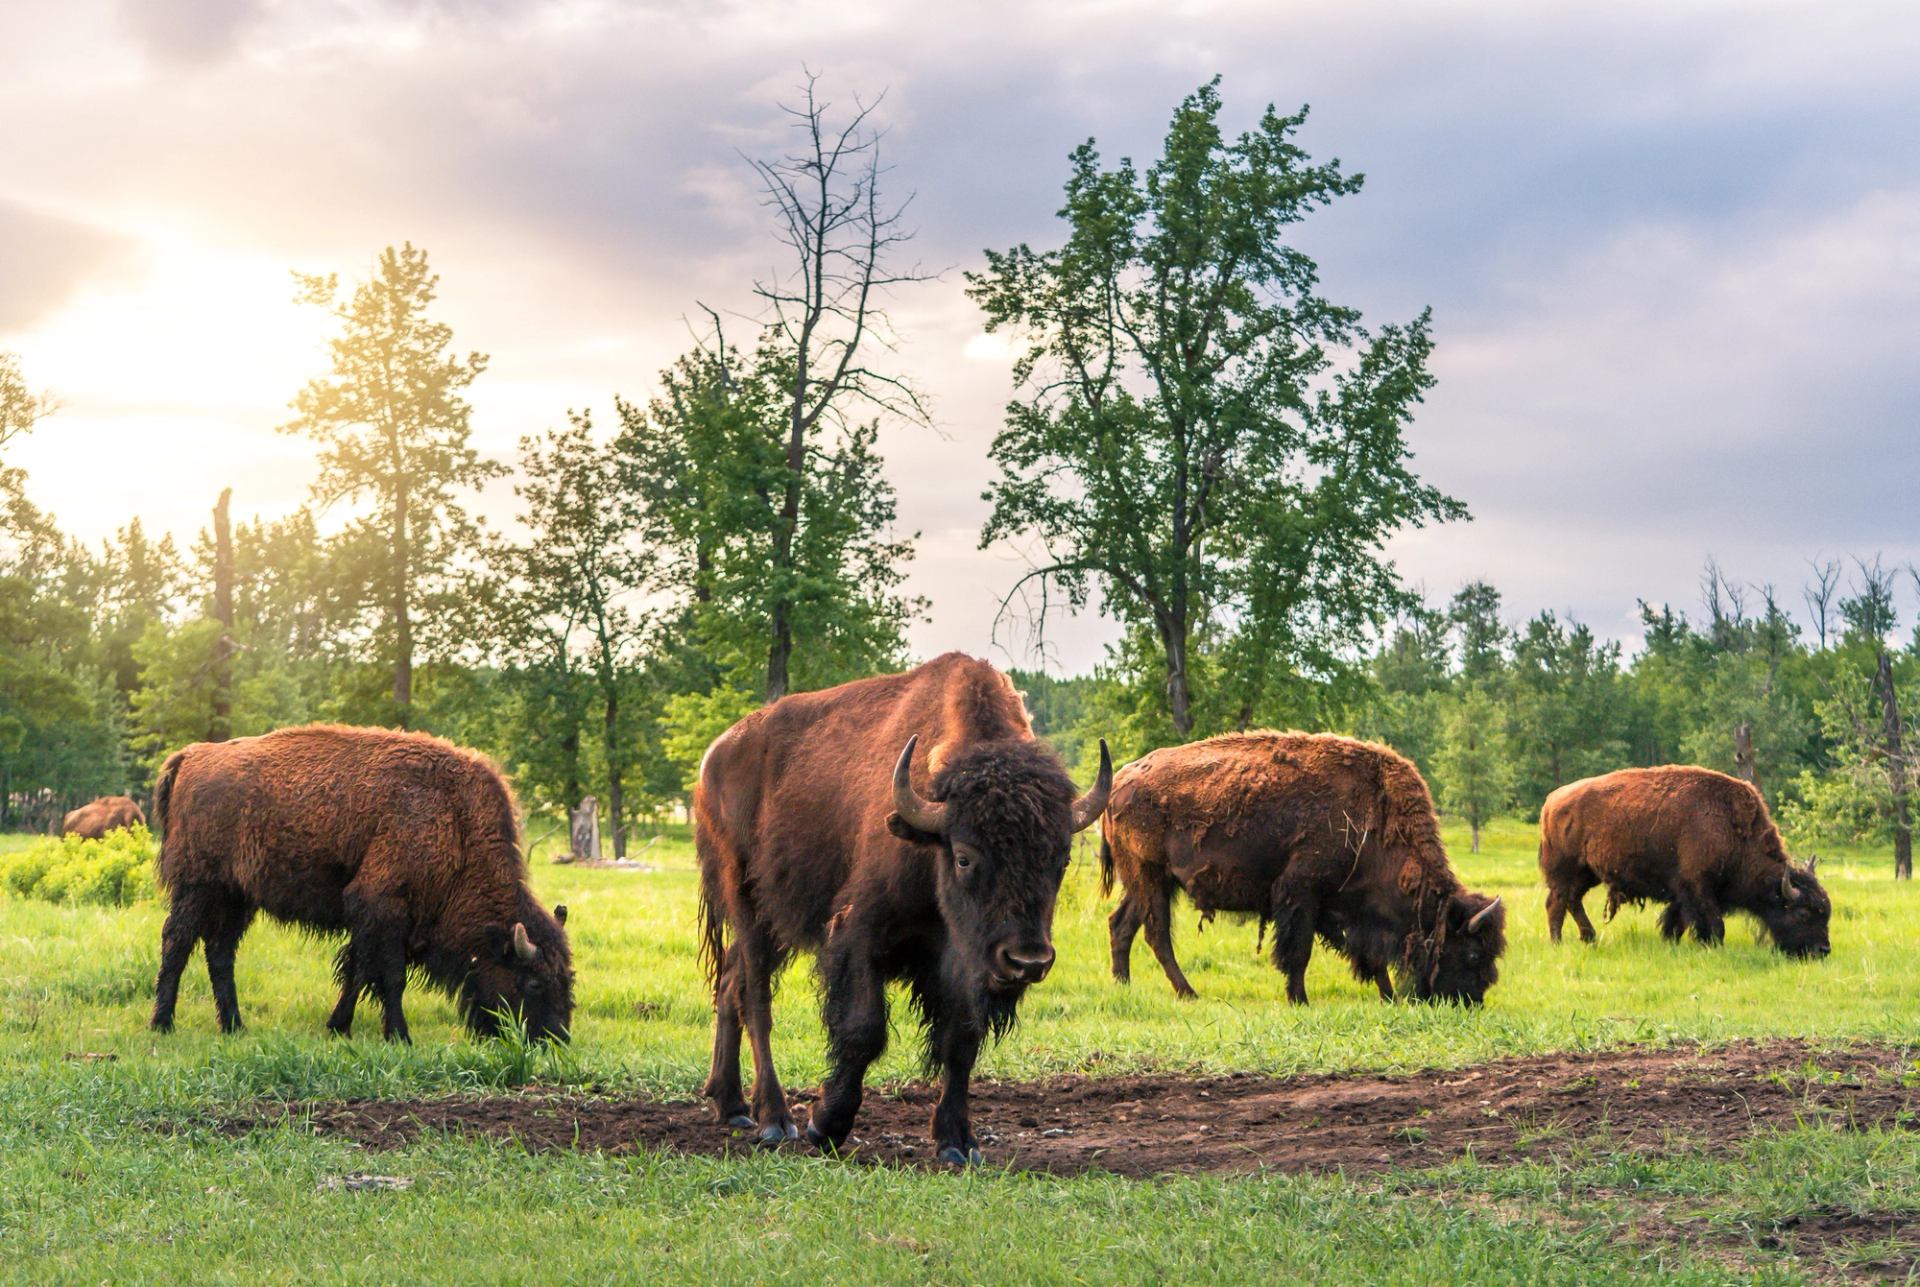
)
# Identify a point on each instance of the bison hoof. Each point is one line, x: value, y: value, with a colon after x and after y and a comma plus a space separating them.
x: 741, y: 1122
x: 778, y: 1134
x: 953, y: 1156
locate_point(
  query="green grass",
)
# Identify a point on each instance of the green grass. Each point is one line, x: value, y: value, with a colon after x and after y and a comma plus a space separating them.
x: 110, y: 1169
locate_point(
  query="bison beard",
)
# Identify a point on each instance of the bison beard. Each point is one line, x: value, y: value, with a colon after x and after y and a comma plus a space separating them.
x: 808, y: 843
x: 1324, y: 836
x: 405, y: 842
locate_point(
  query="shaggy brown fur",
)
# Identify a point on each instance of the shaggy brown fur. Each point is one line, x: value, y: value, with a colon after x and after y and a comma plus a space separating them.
x: 1696, y: 840
x: 806, y: 846
x: 406, y: 842
x: 108, y: 813
x: 1319, y: 834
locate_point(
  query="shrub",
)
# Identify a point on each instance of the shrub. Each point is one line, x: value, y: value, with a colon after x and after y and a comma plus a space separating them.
x: 113, y: 871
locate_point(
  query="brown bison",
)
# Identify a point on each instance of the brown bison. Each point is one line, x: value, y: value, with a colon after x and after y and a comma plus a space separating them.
x: 819, y: 832
x: 108, y: 813
x: 405, y: 842
x: 1698, y: 841
x: 1321, y: 835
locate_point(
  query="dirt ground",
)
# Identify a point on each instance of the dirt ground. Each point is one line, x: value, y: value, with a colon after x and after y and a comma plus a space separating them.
x: 1640, y: 1100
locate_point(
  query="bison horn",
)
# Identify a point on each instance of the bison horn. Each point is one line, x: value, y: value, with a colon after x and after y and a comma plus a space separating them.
x: 523, y: 947
x: 1787, y: 891
x: 1090, y: 806
x: 1479, y: 917
x: 1812, y: 864
x: 921, y: 815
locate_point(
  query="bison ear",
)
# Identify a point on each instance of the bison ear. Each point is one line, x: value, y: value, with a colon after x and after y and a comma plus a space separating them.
x: 560, y: 912
x: 900, y: 827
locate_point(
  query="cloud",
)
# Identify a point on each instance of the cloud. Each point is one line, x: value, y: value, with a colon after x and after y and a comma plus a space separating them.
x: 1668, y: 249
x: 44, y: 259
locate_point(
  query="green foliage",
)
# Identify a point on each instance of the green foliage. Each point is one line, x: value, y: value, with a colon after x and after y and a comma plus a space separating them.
x: 1201, y: 435
x: 1473, y: 763
x: 113, y: 871
x: 692, y: 720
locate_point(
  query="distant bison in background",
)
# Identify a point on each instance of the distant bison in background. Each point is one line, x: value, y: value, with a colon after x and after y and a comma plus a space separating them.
x: 406, y: 842
x: 1322, y: 835
x: 1699, y: 841
x: 108, y: 813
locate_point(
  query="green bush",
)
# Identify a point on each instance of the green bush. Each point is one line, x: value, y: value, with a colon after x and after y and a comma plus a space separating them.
x: 113, y: 871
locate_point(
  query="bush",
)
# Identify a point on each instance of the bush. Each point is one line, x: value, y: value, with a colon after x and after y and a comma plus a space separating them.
x: 114, y: 871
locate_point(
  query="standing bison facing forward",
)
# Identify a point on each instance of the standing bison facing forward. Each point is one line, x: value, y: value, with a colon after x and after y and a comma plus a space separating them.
x: 1698, y: 841
x: 404, y: 841
x: 1322, y: 835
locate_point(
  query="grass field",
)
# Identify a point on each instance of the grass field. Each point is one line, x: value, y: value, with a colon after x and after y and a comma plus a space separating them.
x: 114, y: 1167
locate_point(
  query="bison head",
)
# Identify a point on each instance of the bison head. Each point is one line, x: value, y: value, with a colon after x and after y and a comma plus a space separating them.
x: 1795, y: 910
x: 1460, y: 960
x: 1003, y: 816
x: 526, y: 969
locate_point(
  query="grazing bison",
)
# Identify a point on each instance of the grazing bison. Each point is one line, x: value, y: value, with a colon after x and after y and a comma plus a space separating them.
x: 1696, y: 840
x: 108, y: 813
x: 1317, y: 834
x: 818, y: 831
x: 406, y: 842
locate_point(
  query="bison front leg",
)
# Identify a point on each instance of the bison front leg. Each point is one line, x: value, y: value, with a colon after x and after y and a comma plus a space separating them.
x: 1293, y: 916
x: 856, y: 1015
x: 953, y: 1141
x: 379, y: 929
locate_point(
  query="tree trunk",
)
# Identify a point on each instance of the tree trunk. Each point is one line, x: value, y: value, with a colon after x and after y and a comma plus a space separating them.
x: 402, y: 623
x: 583, y: 832
x: 1743, y: 765
x: 1173, y: 637
x: 616, y: 800
x: 1893, y: 742
x: 220, y: 726
x: 1473, y: 824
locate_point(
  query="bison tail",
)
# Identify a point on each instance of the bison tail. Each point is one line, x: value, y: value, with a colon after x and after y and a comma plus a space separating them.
x: 713, y: 928
x: 1106, y: 861
x: 163, y: 789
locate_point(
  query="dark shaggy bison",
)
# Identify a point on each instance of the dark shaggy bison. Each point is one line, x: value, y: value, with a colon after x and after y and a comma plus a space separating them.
x: 819, y: 831
x: 406, y: 842
x: 1699, y: 841
x: 1323, y: 836
x: 108, y: 813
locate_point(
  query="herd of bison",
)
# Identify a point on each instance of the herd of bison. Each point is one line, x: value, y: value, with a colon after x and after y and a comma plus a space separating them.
x: 912, y: 828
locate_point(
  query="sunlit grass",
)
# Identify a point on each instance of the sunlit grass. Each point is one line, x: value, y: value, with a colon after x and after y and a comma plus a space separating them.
x: 112, y: 1167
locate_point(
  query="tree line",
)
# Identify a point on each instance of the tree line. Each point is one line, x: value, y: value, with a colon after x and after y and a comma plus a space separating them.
x: 1197, y: 439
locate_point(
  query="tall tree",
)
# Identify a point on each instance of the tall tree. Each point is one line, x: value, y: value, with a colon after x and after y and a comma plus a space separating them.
x: 1476, y: 775
x: 582, y: 570
x: 392, y: 421
x: 220, y: 725
x: 1185, y: 437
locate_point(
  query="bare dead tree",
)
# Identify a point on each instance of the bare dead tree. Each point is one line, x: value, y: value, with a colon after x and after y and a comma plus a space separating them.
x: 826, y: 313
x: 220, y: 724
x: 1819, y: 597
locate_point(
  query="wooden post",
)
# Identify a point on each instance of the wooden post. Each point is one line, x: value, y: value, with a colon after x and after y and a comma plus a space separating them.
x: 583, y: 836
x: 1743, y: 764
x: 1893, y: 744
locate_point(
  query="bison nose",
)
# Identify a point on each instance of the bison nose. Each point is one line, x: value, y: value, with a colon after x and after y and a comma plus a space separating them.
x: 1025, y: 962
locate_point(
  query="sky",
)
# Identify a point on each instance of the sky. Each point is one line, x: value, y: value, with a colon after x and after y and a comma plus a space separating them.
x: 1672, y: 249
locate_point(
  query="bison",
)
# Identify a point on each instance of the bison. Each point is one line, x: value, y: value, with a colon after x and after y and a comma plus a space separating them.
x: 1699, y: 841
x: 1321, y: 835
x: 108, y: 813
x: 819, y: 831
x: 405, y: 842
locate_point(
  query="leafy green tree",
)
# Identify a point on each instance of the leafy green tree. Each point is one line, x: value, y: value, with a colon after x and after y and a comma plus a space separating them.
x: 580, y: 576
x: 1567, y: 708
x: 392, y: 420
x: 1484, y: 637
x: 1475, y: 771
x: 1185, y: 438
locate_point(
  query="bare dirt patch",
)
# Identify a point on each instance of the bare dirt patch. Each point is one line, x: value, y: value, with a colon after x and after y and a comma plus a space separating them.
x: 1634, y: 1100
